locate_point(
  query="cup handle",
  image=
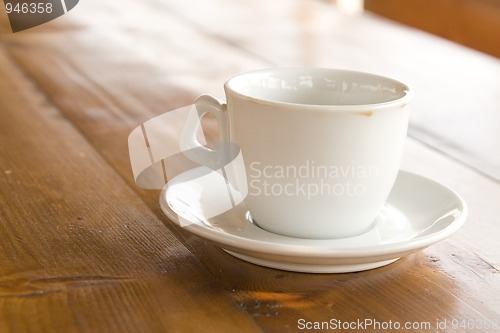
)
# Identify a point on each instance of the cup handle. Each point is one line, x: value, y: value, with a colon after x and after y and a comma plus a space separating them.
x: 203, y: 105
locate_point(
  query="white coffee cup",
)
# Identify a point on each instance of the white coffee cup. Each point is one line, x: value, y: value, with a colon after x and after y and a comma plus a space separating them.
x: 321, y: 147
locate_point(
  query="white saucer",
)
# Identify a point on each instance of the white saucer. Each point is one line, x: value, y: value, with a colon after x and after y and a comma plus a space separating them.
x: 418, y: 213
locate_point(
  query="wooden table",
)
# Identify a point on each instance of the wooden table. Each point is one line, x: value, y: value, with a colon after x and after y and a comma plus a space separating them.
x: 83, y: 249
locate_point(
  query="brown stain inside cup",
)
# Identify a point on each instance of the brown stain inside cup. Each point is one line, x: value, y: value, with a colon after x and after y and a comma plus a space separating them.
x: 365, y: 113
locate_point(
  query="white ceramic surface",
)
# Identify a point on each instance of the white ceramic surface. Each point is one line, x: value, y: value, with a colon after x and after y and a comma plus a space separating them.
x: 418, y: 213
x: 322, y: 147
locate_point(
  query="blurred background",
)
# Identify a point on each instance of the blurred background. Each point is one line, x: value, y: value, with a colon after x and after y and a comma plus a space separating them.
x: 155, y: 55
x: 473, y: 23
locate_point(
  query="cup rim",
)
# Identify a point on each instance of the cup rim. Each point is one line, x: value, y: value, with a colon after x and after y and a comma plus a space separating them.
x: 402, y: 101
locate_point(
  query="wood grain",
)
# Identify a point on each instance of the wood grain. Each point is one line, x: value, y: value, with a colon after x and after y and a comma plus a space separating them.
x: 79, y: 249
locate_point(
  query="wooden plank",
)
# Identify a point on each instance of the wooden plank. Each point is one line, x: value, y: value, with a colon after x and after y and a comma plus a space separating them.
x: 80, y: 252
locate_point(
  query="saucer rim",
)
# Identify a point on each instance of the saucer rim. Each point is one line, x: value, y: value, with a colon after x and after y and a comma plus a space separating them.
x: 225, y: 240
